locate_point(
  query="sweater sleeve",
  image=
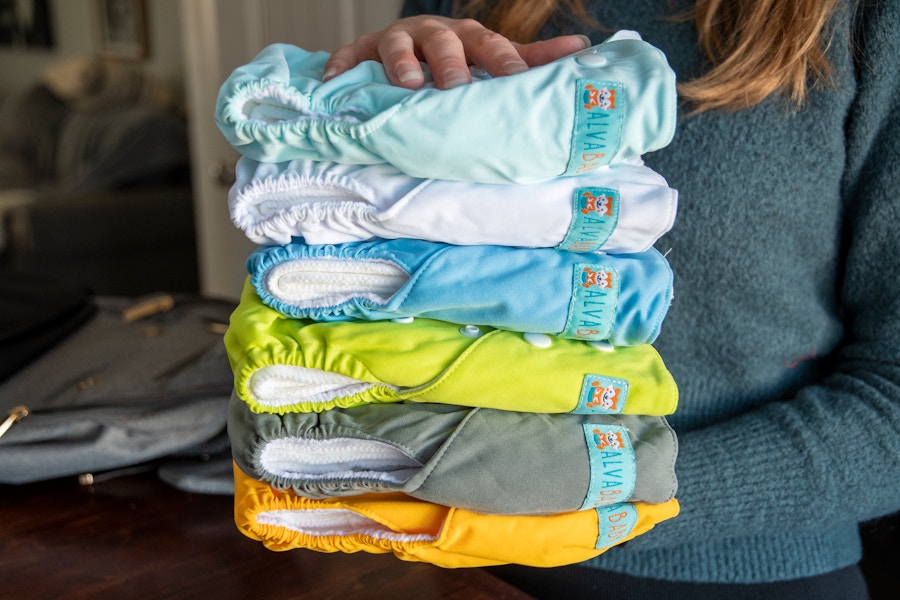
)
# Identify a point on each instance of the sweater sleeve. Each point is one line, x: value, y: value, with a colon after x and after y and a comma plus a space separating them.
x: 426, y: 7
x: 831, y: 454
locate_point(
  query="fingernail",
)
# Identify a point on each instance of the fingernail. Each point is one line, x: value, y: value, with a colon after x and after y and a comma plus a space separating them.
x: 454, y: 78
x: 329, y: 74
x: 408, y: 73
x: 512, y: 68
x: 587, y: 41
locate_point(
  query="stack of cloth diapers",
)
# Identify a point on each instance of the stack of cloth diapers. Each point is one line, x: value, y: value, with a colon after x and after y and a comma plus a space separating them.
x: 443, y: 347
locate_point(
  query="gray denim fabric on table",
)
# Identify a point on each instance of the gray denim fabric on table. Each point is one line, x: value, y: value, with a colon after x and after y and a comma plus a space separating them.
x: 118, y: 393
x: 484, y: 460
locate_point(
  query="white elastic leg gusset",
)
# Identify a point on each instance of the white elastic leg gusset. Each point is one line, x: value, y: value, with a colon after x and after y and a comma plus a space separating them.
x: 337, y: 458
x: 324, y: 282
x: 281, y: 385
x: 335, y: 521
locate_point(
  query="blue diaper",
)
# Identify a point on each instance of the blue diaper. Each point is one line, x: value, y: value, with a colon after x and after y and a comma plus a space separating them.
x: 602, y: 105
x: 618, y: 209
x: 621, y: 299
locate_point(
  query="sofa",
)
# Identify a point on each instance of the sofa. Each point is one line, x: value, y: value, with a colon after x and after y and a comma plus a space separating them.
x: 95, y: 180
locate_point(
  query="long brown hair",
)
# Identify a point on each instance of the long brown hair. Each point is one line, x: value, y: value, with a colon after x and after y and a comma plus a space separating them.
x: 755, y: 47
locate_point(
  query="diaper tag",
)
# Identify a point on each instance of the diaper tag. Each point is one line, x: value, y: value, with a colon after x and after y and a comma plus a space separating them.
x: 613, y: 465
x: 595, y: 293
x: 602, y: 395
x: 615, y: 523
x: 595, y: 213
x: 599, y: 117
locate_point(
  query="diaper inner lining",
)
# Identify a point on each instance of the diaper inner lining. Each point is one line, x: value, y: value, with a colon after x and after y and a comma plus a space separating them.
x: 342, y: 522
x: 319, y: 283
x: 277, y: 386
x: 274, y: 104
x: 326, y: 197
x: 339, y: 458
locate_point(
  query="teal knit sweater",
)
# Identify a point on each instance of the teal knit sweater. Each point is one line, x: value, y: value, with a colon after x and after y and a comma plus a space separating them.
x: 784, y: 335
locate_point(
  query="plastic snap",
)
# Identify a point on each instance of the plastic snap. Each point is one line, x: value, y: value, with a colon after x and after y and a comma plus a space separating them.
x: 471, y: 331
x: 602, y: 346
x: 540, y: 340
x: 592, y: 60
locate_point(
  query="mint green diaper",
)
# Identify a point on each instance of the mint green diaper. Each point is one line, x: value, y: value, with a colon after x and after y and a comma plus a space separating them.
x: 606, y: 104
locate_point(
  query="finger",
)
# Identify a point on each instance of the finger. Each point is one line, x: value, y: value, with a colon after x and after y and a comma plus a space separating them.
x: 541, y: 53
x: 490, y: 50
x: 396, y: 50
x: 445, y: 54
x: 346, y: 57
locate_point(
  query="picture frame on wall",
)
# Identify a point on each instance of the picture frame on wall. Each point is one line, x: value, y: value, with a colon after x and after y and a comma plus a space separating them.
x: 25, y: 24
x: 121, y: 28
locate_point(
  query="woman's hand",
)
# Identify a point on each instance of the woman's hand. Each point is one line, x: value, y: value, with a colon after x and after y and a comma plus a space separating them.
x: 448, y: 47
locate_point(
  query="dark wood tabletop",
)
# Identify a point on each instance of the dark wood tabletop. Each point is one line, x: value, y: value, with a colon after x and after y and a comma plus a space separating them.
x: 137, y: 537
x: 134, y: 536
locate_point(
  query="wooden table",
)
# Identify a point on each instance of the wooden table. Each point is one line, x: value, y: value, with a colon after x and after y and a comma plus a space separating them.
x: 136, y: 537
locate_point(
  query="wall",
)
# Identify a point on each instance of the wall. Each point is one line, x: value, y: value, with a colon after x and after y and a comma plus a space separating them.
x: 74, y: 30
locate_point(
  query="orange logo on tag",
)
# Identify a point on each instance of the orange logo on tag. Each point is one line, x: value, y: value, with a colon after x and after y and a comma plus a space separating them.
x: 608, y: 440
x: 602, y: 204
x: 604, y: 397
x: 600, y: 279
x: 604, y: 98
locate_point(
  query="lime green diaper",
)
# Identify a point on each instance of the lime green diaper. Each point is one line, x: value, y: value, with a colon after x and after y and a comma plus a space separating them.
x: 286, y: 365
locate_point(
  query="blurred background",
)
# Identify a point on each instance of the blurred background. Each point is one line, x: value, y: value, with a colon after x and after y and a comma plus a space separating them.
x: 113, y: 174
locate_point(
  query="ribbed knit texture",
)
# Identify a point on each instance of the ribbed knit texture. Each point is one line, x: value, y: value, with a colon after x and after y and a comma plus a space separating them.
x: 784, y: 334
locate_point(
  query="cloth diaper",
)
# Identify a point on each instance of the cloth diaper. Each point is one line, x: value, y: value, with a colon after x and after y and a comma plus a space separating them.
x: 621, y: 299
x: 284, y: 365
x: 490, y: 461
x: 617, y: 208
x: 602, y: 105
x: 416, y: 530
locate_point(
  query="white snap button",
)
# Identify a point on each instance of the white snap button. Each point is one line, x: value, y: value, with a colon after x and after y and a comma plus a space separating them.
x: 592, y: 60
x: 471, y: 331
x: 403, y: 320
x: 540, y: 340
x: 602, y: 346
